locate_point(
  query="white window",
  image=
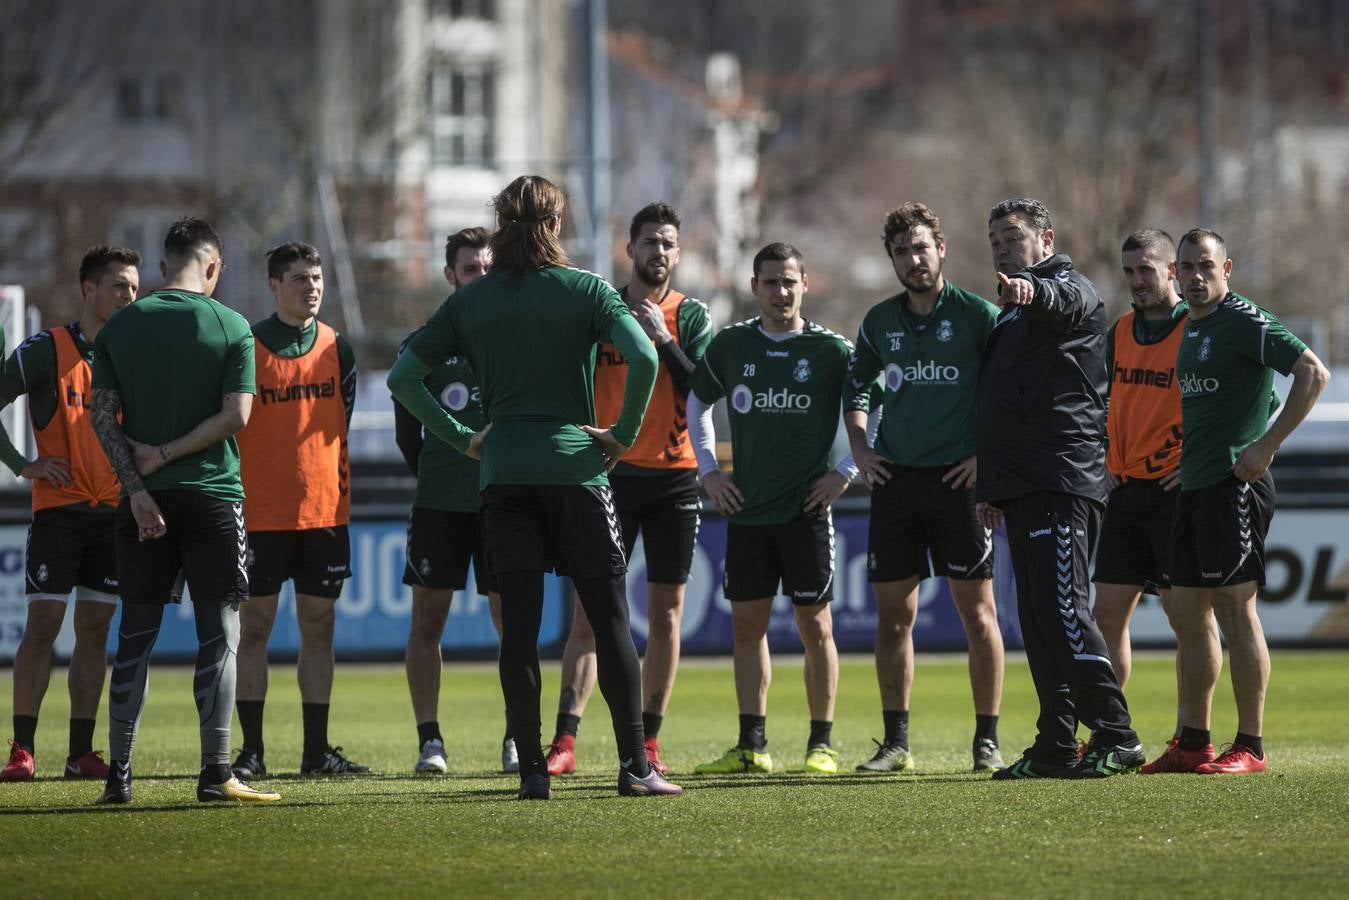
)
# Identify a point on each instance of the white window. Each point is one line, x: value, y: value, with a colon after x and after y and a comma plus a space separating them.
x: 463, y: 110
x: 27, y: 245
x: 145, y: 98
x: 143, y: 230
x: 463, y: 9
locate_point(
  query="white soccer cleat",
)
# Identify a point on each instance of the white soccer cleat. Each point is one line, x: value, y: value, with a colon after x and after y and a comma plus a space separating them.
x: 432, y: 758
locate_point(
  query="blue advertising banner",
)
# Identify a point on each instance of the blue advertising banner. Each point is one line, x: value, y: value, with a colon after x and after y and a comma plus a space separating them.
x: 707, y: 612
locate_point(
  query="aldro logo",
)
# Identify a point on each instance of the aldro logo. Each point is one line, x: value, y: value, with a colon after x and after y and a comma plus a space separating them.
x: 770, y: 401
x: 289, y: 393
x: 456, y: 396
x: 1191, y: 385
x: 921, y: 372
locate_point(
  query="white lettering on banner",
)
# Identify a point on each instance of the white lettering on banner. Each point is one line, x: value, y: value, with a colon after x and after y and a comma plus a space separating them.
x: 393, y: 558
x: 358, y: 594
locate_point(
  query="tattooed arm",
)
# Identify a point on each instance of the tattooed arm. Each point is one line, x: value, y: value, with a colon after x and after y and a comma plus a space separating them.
x: 103, y: 415
x: 235, y: 408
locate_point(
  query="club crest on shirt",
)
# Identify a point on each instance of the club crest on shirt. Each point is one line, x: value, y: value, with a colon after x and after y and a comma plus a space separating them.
x: 1204, y: 349
x: 802, y: 371
x: 944, y: 332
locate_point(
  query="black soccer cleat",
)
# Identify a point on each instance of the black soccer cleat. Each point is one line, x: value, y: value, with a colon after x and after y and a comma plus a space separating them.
x: 1105, y: 761
x: 118, y: 787
x: 248, y: 764
x: 1026, y: 767
x: 535, y: 787
x: 331, y: 762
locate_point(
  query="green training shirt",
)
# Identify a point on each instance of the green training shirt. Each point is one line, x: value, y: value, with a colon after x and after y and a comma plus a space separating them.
x: 447, y: 480
x: 531, y: 338
x: 171, y: 356
x: 1225, y: 366
x: 783, y: 398
x: 928, y: 367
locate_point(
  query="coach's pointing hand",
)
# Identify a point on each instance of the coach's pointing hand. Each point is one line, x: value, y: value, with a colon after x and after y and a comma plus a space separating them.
x: 1016, y: 291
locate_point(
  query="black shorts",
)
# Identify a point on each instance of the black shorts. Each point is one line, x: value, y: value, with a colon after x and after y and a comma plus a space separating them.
x: 665, y: 508
x: 1135, y: 545
x: 915, y: 514
x: 568, y: 528
x: 71, y: 547
x: 798, y: 554
x: 205, y: 542
x: 440, y: 545
x: 318, y: 560
x: 1218, y: 533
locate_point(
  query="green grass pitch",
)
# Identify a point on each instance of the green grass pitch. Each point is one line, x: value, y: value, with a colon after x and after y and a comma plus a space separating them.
x: 941, y: 831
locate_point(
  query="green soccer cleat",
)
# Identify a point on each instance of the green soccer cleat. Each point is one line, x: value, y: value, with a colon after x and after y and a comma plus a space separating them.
x: 822, y: 760
x: 736, y: 761
x: 1104, y: 762
x: 1025, y: 768
x: 888, y: 758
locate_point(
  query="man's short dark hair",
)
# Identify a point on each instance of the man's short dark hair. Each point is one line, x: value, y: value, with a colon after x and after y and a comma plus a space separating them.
x: 279, y: 259
x: 654, y: 213
x: 1151, y: 239
x: 908, y: 217
x: 1195, y: 235
x: 1034, y: 212
x: 190, y: 235
x: 476, y: 238
x: 778, y: 252
x: 97, y: 259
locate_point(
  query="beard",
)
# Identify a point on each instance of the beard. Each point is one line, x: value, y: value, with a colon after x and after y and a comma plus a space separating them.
x: 921, y: 282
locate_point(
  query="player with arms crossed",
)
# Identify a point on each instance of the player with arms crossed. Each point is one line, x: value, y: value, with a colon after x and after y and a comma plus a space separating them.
x: 1225, y: 366
x: 926, y: 343
x: 783, y: 377
x: 297, y: 486
x: 445, y: 527
x: 179, y: 367
x: 655, y: 484
x: 70, y: 540
x: 529, y: 330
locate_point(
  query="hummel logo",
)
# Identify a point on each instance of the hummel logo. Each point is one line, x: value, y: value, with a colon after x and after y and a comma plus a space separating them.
x: 1042, y: 532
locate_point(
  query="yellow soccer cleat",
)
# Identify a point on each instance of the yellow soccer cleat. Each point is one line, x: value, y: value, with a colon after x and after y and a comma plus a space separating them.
x: 234, y: 789
x: 736, y: 761
x: 822, y: 760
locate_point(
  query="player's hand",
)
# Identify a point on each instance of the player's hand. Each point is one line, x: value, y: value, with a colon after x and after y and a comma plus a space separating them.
x: 962, y: 474
x: 723, y: 493
x: 871, y: 465
x: 1112, y: 480
x: 149, y: 520
x: 55, y: 469
x: 652, y: 320
x: 148, y: 458
x: 825, y: 491
x: 1016, y: 291
x: 989, y: 516
x: 1171, y: 480
x: 611, y: 447
x: 1254, y: 460
x: 474, y: 448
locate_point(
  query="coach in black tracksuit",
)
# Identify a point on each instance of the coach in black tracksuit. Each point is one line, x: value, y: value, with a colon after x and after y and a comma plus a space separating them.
x: 1040, y: 422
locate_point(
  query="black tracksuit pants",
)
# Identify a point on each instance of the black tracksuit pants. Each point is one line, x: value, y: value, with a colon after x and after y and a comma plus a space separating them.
x: 1052, y: 538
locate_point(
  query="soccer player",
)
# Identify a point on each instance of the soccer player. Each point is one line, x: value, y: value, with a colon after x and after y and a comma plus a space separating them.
x: 783, y: 377
x: 1040, y: 437
x: 1224, y: 364
x: 179, y: 367
x: 1143, y: 457
x: 655, y: 485
x: 70, y: 541
x: 445, y: 528
x: 528, y: 329
x: 297, y: 489
x: 927, y: 343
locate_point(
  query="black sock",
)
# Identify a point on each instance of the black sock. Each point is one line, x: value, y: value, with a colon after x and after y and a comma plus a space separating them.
x: 25, y: 728
x: 216, y: 774
x: 1194, y: 739
x: 1251, y: 743
x: 896, y: 727
x: 315, y: 717
x: 508, y: 736
x: 821, y: 732
x: 752, y: 735
x: 81, y: 737
x: 651, y: 724
x: 250, y: 722
x: 428, y: 731
x: 986, y: 727
x: 567, y: 724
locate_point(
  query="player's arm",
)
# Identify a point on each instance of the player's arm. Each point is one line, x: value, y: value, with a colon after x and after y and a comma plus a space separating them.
x: 719, y: 486
x: 235, y: 408
x: 407, y: 434
x: 437, y: 341
x: 1310, y: 377
x: 346, y: 366
x: 863, y: 368
x: 29, y: 371
x: 1058, y: 303
x: 628, y: 339
x: 103, y: 411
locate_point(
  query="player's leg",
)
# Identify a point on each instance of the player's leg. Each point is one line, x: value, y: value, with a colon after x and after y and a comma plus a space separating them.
x: 805, y: 549
x: 1113, y: 609
x: 578, y: 680
x: 485, y: 582
x: 978, y: 611
x: 32, y: 673
x: 88, y: 672
x: 1234, y: 608
x: 423, y: 662
x: 256, y: 618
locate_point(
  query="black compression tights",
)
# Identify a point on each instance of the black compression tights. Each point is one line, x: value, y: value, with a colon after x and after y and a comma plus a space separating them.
x: 620, y: 675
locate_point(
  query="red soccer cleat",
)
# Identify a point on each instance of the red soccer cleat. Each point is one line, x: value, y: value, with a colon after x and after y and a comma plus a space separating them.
x: 653, y: 756
x: 562, y: 755
x: 90, y: 765
x: 20, y: 767
x: 1235, y: 760
x: 1175, y: 760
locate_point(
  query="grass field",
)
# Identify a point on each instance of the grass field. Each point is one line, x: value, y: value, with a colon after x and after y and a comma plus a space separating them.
x: 940, y: 831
